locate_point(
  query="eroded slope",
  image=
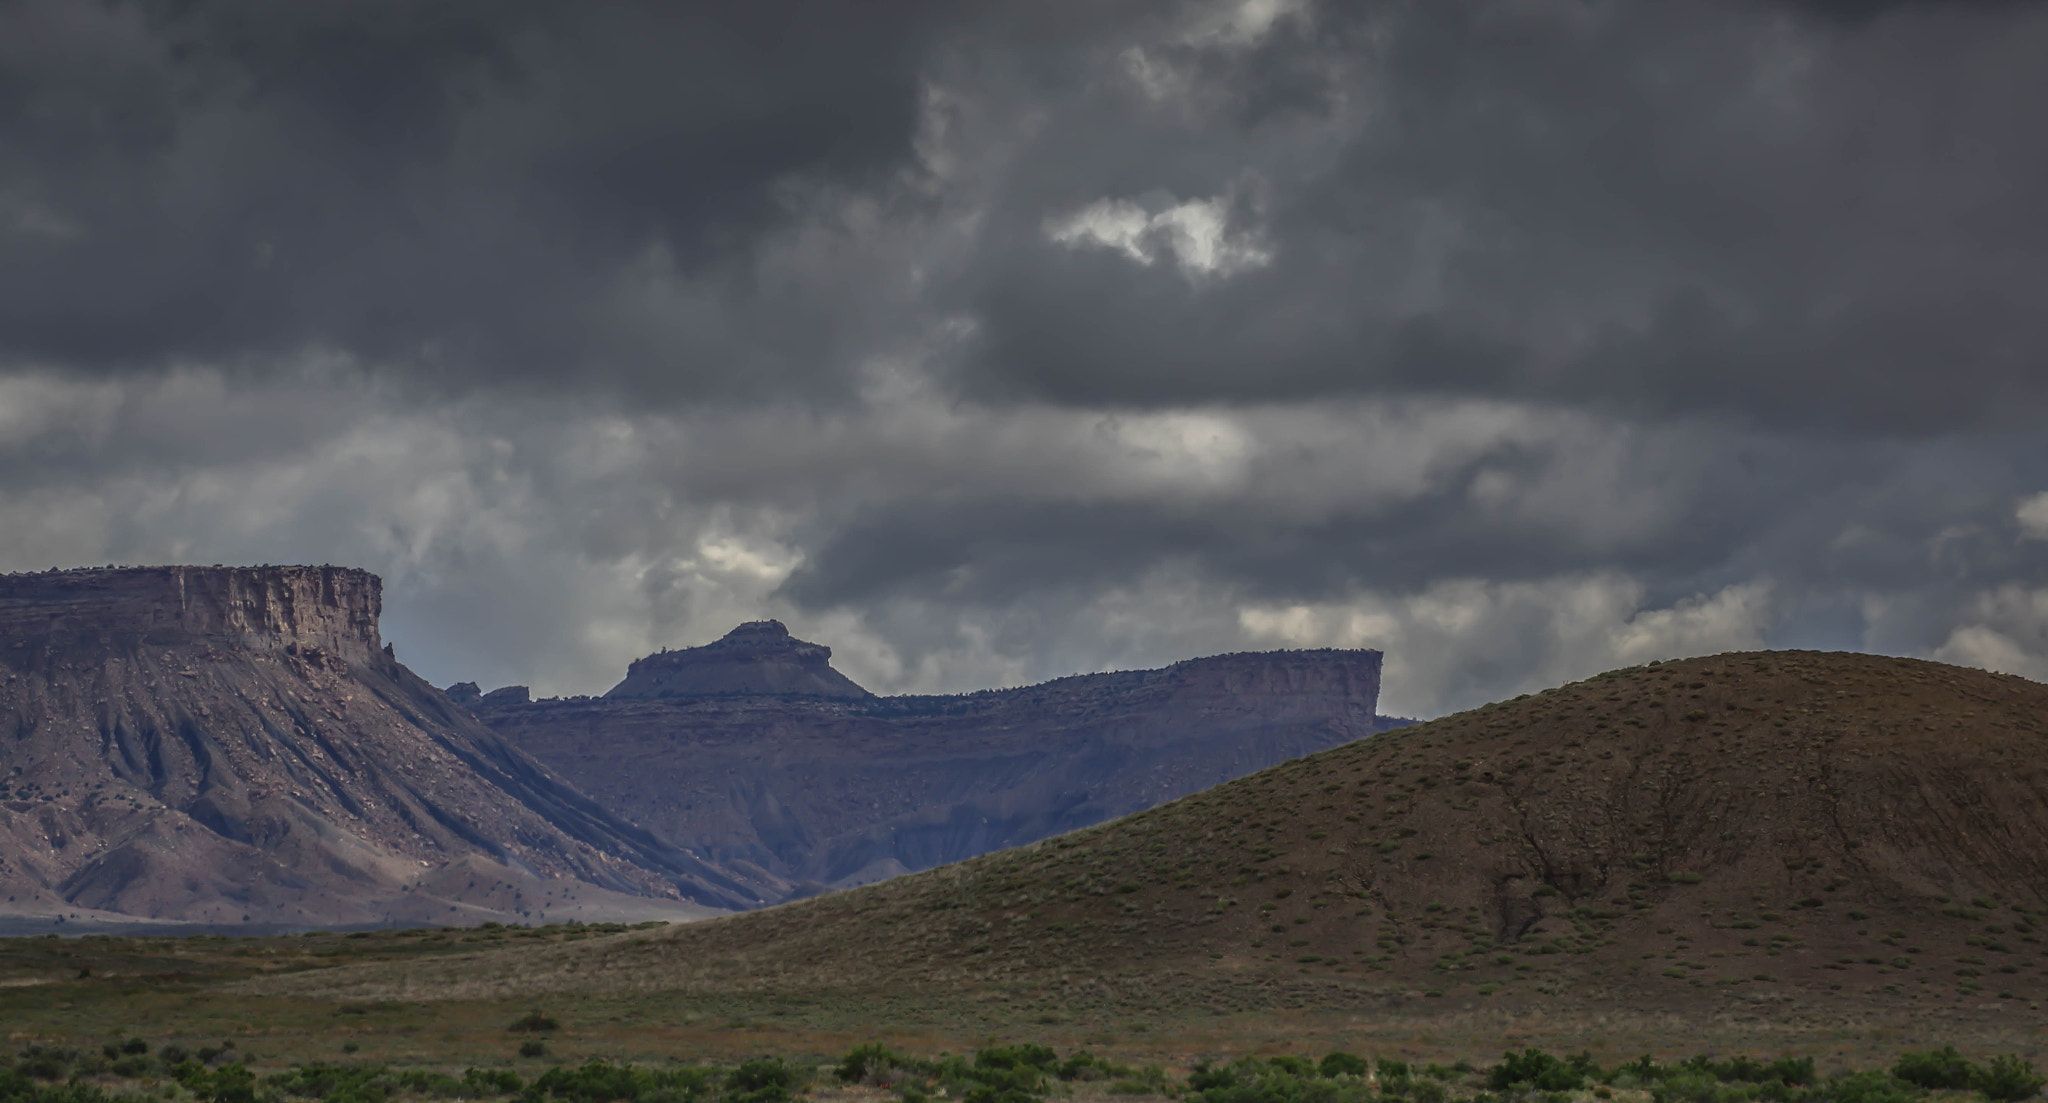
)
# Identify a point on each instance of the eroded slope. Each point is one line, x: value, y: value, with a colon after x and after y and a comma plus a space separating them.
x: 234, y: 746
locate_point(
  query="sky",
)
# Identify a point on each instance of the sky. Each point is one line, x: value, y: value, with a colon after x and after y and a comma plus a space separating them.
x: 988, y: 341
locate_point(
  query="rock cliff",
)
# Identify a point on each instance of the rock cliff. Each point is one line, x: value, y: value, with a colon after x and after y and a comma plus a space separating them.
x: 805, y: 790
x: 235, y: 746
x: 332, y: 610
x: 757, y: 657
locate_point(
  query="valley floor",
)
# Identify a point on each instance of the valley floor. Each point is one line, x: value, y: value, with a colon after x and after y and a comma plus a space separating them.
x: 194, y: 990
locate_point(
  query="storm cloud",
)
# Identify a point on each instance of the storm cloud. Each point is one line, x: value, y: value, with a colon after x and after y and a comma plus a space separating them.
x: 990, y: 342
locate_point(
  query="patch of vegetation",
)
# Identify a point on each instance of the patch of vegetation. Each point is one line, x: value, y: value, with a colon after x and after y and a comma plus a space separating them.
x: 994, y: 1074
x: 2006, y: 1078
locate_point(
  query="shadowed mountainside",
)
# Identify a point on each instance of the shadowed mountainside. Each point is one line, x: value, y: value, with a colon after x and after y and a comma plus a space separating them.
x: 1767, y: 834
x: 234, y: 746
x: 711, y: 749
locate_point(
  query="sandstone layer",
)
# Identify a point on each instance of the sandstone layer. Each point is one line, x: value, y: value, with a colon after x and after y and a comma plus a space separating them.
x: 806, y: 791
x: 235, y: 746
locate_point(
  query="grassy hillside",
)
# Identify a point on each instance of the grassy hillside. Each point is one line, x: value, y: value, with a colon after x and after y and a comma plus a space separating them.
x: 1765, y: 834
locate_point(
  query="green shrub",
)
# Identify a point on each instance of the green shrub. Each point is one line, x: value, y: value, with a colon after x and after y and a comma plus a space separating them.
x: 871, y: 1059
x: 1943, y: 1068
x: 1028, y: 1055
x: 42, y: 1062
x: 598, y: 1081
x: 233, y: 1084
x: 1343, y: 1064
x: 763, y: 1080
x: 486, y: 1082
x: 1691, y: 1084
x: 1866, y: 1087
x: 2008, y: 1079
x: 1286, y: 1079
x: 1541, y: 1071
x: 1086, y: 1066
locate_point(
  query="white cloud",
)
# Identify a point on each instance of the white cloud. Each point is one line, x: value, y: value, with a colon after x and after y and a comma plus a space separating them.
x: 1196, y: 234
x: 1460, y: 642
x: 2032, y: 515
x: 2004, y: 629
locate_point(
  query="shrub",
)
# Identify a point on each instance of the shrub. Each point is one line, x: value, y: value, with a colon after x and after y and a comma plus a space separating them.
x: 45, y: 1062
x: 1866, y: 1087
x: 233, y: 1084
x: 533, y: 1047
x: 1205, y: 1077
x: 763, y: 1080
x: 864, y: 1061
x: 2008, y: 1079
x: 1280, y: 1080
x: 1693, y: 1084
x: 1086, y: 1066
x: 491, y: 1082
x: 1541, y: 1071
x: 1937, y: 1069
x: 598, y: 1081
x: 1343, y: 1064
x: 1028, y: 1055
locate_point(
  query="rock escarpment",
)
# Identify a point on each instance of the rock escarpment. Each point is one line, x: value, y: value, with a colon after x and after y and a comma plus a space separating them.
x: 825, y: 785
x: 235, y: 746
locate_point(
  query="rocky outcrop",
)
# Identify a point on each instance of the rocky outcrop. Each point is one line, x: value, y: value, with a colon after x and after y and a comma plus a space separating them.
x: 235, y: 746
x: 806, y: 790
x: 759, y: 657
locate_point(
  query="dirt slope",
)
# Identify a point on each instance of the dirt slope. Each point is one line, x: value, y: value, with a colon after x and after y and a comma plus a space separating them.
x: 1748, y: 833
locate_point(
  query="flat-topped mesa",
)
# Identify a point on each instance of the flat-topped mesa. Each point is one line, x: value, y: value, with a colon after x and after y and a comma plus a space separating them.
x: 759, y: 657
x: 331, y: 609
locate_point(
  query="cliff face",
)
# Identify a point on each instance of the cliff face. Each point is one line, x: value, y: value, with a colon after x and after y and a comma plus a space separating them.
x: 332, y: 610
x: 806, y: 791
x: 233, y: 745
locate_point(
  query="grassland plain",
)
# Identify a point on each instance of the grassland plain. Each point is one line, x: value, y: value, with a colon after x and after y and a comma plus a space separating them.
x: 1786, y: 852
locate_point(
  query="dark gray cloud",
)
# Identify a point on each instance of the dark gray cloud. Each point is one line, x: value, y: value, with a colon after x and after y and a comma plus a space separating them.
x: 1662, y: 207
x: 1814, y: 214
x: 992, y: 341
x: 453, y: 188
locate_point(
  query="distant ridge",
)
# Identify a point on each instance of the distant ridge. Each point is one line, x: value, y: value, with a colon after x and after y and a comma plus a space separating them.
x: 745, y: 752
